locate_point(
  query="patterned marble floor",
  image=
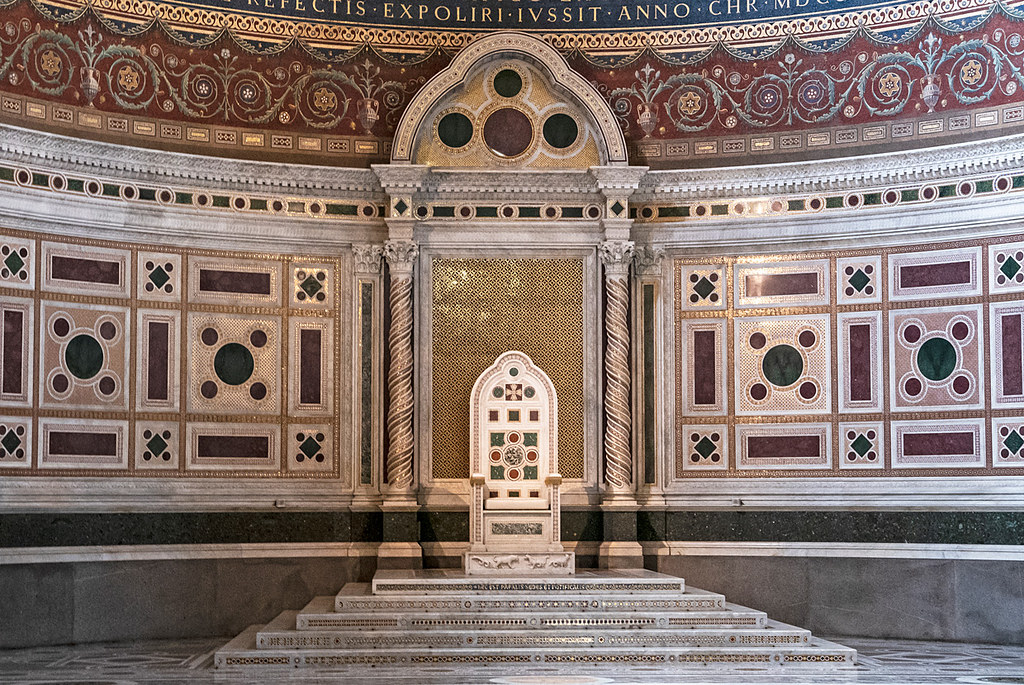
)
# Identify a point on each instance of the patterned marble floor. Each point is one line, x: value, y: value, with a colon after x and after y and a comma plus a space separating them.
x: 190, y: 661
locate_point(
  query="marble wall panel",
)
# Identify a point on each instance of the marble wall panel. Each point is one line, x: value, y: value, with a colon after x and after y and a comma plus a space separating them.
x: 312, y: 285
x: 84, y: 356
x: 222, y: 280
x: 704, y: 354
x: 157, y: 446
x: 1006, y: 333
x: 1006, y: 267
x: 956, y: 443
x: 80, y: 269
x: 859, y: 364
x: 706, y: 286
x: 782, y: 283
x: 936, y: 273
x: 233, y: 447
x: 83, y: 443
x: 17, y: 352
x: 311, y: 378
x: 235, y: 364
x: 783, y: 365
x: 861, y: 445
x: 858, y: 280
x: 17, y: 262
x: 1008, y: 442
x: 784, y: 446
x: 159, y: 277
x: 707, y: 447
x: 15, y: 442
x: 309, y: 447
x: 158, y: 371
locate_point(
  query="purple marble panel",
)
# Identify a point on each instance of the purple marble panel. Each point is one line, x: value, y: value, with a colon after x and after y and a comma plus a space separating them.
x: 773, y: 285
x: 156, y: 374
x: 1011, y: 357
x: 13, y: 362
x: 85, y: 270
x: 83, y: 444
x: 704, y: 354
x: 240, y: 282
x: 859, y: 361
x: 931, y: 275
x: 309, y: 366
x: 233, y: 446
x: 927, y: 444
x: 797, y: 446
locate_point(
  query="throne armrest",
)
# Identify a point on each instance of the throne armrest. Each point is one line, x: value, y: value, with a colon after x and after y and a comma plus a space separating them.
x: 553, y: 479
x: 477, y: 479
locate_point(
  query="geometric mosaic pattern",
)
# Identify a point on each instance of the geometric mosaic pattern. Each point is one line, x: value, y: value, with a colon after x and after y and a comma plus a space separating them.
x: 782, y: 365
x: 705, y: 287
x: 166, y: 363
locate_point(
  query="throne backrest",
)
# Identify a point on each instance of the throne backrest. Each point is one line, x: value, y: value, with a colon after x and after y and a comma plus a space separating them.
x: 514, y: 429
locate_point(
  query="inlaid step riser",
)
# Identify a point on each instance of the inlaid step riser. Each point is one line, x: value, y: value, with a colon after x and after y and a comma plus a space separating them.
x: 271, y: 639
x: 690, y: 601
x: 499, y: 622
x: 584, y: 583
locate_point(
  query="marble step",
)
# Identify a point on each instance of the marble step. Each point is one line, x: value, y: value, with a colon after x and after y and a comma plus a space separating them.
x: 281, y: 633
x: 359, y: 597
x: 450, y: 581
x: 242, y: 653
x: 319, y: 615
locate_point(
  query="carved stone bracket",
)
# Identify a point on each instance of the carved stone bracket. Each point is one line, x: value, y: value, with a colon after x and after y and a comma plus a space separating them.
x: 368, y: 257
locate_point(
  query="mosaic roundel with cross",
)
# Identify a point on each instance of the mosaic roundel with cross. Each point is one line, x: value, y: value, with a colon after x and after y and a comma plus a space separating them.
x: 783, y: 364
x: 84, y: 356
x: 236, y: 363
x: 935, y: 358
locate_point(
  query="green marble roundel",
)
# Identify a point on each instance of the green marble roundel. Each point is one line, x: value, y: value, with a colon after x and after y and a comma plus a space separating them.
x: 782, y: 365
x: 84, y: 356
x: 233, y: 364
x: 936, y: 359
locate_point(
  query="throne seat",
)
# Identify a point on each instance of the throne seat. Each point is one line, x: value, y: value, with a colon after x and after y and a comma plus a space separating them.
x: 516, y: 503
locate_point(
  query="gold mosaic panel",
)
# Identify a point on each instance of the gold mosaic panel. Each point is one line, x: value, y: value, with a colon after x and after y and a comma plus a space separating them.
x: 484, y: 307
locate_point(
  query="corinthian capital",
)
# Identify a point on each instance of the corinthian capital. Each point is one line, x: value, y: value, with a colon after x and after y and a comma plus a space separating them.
x: 401, y: 255
x: 616, y: 254
x: 368, y: 257
x: 648, y: 259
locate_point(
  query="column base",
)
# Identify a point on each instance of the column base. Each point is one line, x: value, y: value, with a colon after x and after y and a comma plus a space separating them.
x: 615, y: 555
x: 399, y: 556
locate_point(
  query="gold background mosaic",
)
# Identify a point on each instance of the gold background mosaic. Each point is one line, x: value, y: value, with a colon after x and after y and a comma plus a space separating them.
x: 483, y: 307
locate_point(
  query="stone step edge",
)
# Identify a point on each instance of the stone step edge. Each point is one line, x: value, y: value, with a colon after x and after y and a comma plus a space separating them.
x: 817, y: 654
x: 360, y: 593
x: 587, y: 582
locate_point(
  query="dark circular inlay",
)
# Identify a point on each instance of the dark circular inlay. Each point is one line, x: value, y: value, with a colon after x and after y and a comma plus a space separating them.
x: 60, y: 382
x: 508, y: 83
x: 258, y: 338
x: 936, y: 359
x: 757, y: 340
x: 808, y: 390
x: 912, y: 387
x: 782, y: 365
x: 84, y: 356
x: 258, y: 391
x: 208, y: 390
x: 807, y: 338
x: 911, y: 334
x: 233, y: 364
x: 961, y: 385
x: 107, y: 385
x: 758, y: 391
x: 209, y: 336
x: 61, y: 327
x: 455, y: 129
x: 108, y: 330
x: 560, y: 131
x: 508, y: 132
x: 960, y: 330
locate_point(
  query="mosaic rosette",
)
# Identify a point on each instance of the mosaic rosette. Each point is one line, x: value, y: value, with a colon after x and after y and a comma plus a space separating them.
x: 935, y: 358
x: 782, y: 284
x: 15, y: 442
x: 937, y: 273
x: 1008, y: 442
x: 1006, y: 266
x: 309, y: 448
x: 312, y: 285
x: 858, y: 280
x: 1007, y: 355
x: 706, y: 448
x: 17, y: 262
x: 84, y: 356
x: 784, y: 446
x: 235, y: 364
x: 17, y: 351
x: 938, y: 444
x: 783, y: 365
x: 861, y: 445
x: 157, y: 445
x: 704, y: 287
x: 159, y: 277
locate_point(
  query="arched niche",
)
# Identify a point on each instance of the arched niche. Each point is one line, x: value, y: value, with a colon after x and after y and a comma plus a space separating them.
x: 509, y: 101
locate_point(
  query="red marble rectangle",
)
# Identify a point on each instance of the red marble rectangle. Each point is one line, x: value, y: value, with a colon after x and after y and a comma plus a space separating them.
x: 775, y: 446
x: 82, y: 444
x: 156, y: 374
x: 1013, y: 374
x: 13, y: 361
x: 85, y: 270
x: 859, y: 362
x: 309, y: 366
x: 932, y: 275
x: 929, y: 444
x: 236, y: 282
x: 704, y: 355
x: 774, y: 285
x: 233, y: 446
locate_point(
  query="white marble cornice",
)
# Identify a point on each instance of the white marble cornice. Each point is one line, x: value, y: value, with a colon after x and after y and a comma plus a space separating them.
x: 90, y: 157
x: 947, y: 163
x: 519, y: 181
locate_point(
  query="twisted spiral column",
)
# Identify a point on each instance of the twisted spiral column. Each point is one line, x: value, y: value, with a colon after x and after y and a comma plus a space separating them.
x: 618, y: 472
x: 401, y: 256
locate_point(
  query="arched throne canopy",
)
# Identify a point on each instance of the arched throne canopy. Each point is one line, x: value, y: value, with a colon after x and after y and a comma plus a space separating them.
x: 509, y: 100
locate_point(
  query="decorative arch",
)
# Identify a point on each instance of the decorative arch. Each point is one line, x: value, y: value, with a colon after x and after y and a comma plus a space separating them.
x: 611, y: 142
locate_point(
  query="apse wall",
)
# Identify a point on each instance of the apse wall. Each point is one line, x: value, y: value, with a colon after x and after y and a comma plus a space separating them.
x: 826, y: 369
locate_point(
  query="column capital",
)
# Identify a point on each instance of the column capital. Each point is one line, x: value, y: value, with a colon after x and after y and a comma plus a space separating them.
x: 401, y: 256
x: 368, y: 257
x: 647, y: 258
x: 616, y: 256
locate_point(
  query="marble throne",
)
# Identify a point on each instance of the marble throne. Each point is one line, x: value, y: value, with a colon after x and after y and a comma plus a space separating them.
x: 514, y: 510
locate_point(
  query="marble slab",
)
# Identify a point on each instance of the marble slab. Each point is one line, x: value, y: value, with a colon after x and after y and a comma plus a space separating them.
x: 449, y: 581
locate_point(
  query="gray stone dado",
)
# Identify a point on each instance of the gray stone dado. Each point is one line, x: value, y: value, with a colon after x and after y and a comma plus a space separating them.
x: 927, y: 599
x: 53, y: 604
